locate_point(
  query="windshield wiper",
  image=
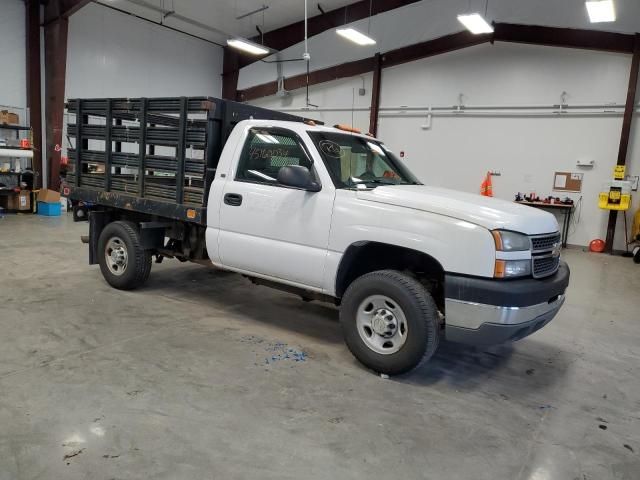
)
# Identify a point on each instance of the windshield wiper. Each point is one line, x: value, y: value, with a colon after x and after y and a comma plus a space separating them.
x: 375, y: 180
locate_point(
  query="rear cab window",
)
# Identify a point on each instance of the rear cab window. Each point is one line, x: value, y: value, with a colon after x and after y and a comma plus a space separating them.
x: 266, y: 151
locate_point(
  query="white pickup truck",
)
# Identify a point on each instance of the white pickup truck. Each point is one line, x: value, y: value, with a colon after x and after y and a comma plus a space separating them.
x: 334, y: 215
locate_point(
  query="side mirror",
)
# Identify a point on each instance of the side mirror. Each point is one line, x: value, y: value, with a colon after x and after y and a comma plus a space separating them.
x: 297, y: 176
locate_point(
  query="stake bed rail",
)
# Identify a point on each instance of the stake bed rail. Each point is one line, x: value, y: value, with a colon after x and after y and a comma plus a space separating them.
x: 155, y: 156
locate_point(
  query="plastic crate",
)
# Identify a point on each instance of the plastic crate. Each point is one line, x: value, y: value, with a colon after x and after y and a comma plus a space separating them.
x: 49, y: 209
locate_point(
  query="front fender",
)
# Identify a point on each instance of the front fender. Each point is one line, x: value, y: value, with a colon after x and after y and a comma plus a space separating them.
x: 459, y: 246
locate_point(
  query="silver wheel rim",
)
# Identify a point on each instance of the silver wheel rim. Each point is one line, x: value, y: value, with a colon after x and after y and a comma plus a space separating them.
x: 382, y: 324
x: 115, y: 255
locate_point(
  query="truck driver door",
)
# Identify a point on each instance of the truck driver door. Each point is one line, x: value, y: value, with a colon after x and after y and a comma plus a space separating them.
x: 270, y: 229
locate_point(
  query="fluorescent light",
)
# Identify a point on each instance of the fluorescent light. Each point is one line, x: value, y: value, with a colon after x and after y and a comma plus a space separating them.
x: 601, y: 11
x: 355, y: 36
x: 475, y: 23
x: 247, y: 46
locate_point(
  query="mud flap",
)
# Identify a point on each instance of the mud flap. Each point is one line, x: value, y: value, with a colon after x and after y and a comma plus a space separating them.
x: 97, y: 221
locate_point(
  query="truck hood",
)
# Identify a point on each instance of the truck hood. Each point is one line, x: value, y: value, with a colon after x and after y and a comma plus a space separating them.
x: 487, y: 212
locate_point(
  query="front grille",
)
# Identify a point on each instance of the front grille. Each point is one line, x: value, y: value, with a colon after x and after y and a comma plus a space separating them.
x: 545, y: 258
x: 545, y: 265
x: 545, y: 242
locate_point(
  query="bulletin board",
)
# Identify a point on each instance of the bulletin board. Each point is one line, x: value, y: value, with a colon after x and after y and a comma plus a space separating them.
x: 567, y: 182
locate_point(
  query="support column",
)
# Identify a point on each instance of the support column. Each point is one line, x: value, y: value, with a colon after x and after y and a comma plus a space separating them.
x: 626, y: 132
x: 230, y: 73
x: 55, y: 57
x: 34, y: 98
x: 375, y: 95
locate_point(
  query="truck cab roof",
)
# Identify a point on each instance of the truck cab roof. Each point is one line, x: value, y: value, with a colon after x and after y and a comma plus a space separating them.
x: 299, y: 127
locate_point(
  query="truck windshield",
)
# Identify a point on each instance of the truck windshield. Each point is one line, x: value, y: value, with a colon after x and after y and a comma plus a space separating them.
x: 357, y: 162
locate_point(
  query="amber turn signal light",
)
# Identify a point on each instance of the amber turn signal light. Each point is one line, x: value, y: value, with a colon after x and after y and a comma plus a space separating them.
x: 500, y: 268
x: 498, y: 239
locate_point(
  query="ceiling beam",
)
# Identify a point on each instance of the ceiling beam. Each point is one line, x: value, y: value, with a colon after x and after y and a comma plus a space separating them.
x: 349, y: 69
x: 290, y: 35
x: 430, y: 48
x: 56, y: 9
x: 398, y: 56
x: 564, y: 37
x: 504, y: 32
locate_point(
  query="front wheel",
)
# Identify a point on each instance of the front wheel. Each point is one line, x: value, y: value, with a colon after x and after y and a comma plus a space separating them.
x: 123, y: 262
x: 389, y: 322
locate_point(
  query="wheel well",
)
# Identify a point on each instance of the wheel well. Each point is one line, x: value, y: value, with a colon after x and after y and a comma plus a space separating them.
x: 364, y: 257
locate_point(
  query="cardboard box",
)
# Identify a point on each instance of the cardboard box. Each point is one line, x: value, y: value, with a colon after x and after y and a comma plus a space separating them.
x: 9, y: 117
x: 18, y: 201
x: 9, y: 201
x: 24, y: 201
x: 48, y: 196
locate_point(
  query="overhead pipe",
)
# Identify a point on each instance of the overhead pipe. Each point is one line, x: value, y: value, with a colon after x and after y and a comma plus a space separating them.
x: 504, y: 114
x: 589, y: 109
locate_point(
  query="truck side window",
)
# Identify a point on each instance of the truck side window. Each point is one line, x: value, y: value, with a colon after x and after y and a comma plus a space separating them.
x: 266, y: 151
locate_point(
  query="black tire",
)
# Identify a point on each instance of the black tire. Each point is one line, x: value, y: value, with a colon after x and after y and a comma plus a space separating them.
x: 138, y: 264
x: 636, y: 255
x: 420, y: 312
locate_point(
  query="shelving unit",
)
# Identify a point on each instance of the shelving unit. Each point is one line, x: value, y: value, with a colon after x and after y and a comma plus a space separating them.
x: 5, y: 126
x: 15, y: 157
x: 6, y: 150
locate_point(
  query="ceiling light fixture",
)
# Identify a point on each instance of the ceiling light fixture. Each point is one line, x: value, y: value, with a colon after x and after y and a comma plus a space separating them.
x: 355, y: 36
x: 247, y: 46
x: 601, y: 11
x: 475, y: 23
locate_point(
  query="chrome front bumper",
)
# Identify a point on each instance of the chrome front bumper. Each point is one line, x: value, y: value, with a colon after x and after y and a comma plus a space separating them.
x: 481, y: 324
x: 484, y: 311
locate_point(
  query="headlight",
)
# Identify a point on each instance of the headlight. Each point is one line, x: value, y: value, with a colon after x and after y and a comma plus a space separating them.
x: 512, y: 268
x: 510, y: 241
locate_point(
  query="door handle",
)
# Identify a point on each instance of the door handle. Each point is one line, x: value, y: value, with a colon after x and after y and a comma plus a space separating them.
x: 233, y: 199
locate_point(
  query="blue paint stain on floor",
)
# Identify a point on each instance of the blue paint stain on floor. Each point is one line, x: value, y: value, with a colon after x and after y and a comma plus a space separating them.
x: 282, y: 352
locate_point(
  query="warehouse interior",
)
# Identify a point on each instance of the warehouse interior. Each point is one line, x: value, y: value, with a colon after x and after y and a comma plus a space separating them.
x: 207, y: 372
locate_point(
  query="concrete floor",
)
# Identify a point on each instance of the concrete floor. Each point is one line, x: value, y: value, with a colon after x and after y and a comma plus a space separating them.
x: 201, y: 375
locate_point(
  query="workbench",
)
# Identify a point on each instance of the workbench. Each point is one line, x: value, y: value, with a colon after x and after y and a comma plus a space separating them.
x: 567, y: 211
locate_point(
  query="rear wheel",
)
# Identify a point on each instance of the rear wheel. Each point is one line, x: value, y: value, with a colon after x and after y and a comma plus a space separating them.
x: 123, y: 262
x: 389, y: 321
